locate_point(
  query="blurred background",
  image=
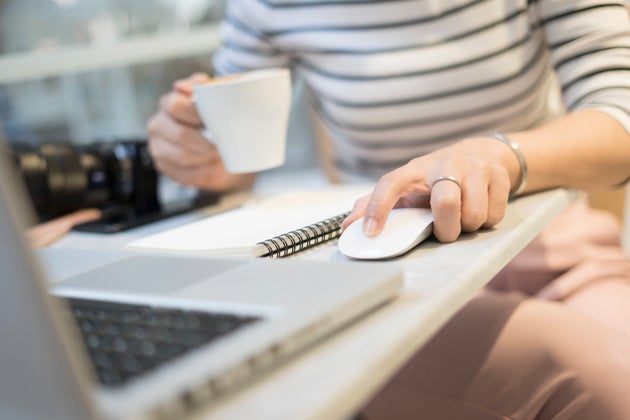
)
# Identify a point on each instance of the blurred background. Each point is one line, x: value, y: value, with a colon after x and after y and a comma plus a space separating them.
x: 79, y: 70
x: 85, y: 71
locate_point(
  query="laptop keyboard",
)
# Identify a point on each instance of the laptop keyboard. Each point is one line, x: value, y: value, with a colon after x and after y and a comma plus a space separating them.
x: 124, y: 340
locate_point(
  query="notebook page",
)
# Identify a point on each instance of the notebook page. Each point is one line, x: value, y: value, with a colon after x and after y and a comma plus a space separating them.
x: 242, y: 228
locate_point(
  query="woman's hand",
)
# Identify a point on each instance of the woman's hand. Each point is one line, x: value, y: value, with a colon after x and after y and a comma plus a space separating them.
x: 466, y: 185
x: 45, y: 234
x: 178, y: 148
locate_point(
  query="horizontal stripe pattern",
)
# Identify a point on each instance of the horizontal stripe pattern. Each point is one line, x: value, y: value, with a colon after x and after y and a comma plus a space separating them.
x: 393, y: 79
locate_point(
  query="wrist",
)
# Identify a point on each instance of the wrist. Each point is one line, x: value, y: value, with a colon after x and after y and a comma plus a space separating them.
x: 521, y: 180
x: 500, y: 153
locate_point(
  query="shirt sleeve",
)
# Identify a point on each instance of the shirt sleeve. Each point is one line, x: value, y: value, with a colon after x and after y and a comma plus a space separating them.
x: 246, y: 40
x: 589, y: 42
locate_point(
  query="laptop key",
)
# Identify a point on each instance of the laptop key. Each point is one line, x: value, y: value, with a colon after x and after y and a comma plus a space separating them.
x: 125, y: 340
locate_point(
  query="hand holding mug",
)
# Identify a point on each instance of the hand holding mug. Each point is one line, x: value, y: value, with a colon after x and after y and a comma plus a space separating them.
x: 178, y: 147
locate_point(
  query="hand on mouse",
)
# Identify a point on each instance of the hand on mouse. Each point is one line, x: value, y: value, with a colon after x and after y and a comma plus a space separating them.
x: 178, y: 148
x: 476, y: 177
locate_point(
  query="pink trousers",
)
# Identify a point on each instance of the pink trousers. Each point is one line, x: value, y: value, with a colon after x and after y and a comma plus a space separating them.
x: 549, y: 338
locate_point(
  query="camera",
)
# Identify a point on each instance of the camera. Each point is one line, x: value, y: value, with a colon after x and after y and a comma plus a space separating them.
x: 61, y: 177
x: 117, y: 177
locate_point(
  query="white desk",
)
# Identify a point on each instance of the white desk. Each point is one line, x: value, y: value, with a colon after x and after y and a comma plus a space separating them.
x: 335, y: 378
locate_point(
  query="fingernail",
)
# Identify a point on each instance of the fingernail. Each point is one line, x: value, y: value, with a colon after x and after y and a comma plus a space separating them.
x: 342, y: 227
x: 370, y: 226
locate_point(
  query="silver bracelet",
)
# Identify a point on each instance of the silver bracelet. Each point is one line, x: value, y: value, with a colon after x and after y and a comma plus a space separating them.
x: 522, y: 181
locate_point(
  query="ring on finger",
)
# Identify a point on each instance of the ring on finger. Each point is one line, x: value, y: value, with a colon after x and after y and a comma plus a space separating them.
x: 446, y: 178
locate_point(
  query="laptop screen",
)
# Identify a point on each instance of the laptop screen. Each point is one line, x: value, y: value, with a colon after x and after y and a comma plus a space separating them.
x: 37, y: 377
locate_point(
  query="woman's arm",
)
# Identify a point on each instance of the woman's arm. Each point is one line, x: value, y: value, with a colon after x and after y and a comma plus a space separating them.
x: 586, y: 149
x: 589, y: 47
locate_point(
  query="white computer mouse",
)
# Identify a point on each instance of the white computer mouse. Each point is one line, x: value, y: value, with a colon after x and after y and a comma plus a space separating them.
x: 404, y: 229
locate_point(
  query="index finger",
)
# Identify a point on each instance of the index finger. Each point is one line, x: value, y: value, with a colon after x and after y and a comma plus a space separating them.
x: 357, y: 211
x: 180, y: 102
x: 181, y: 108
x: 185, y: 86
x: 385, y: 196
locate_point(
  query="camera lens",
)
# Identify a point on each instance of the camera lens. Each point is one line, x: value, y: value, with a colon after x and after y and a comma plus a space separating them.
x: 61, y: 177
x: 54, y: 177
x: 33, y: 169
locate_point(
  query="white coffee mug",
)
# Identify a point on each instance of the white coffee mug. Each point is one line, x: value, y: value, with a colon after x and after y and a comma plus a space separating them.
x: 247, y: 117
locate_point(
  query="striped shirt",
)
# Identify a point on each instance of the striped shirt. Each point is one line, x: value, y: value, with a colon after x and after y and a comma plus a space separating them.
x: 395, y: 79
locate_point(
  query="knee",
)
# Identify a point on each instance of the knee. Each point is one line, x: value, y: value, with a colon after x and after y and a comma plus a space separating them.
x: 604, y: 363
x: 546, y: 361
x: 590, y: 369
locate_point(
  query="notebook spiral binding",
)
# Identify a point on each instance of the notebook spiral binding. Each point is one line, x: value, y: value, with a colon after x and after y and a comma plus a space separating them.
x: 307, y: 237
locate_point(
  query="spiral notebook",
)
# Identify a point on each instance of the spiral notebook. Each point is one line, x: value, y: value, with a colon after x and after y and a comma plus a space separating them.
x: 274, y: 227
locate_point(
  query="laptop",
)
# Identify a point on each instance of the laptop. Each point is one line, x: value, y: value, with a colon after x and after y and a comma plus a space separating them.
x: 154, y: 336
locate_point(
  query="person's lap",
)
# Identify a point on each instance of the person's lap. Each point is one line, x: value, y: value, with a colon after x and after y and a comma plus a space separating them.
x: 548, y: 339
x: 607, y: 301
x: 509, y: 356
